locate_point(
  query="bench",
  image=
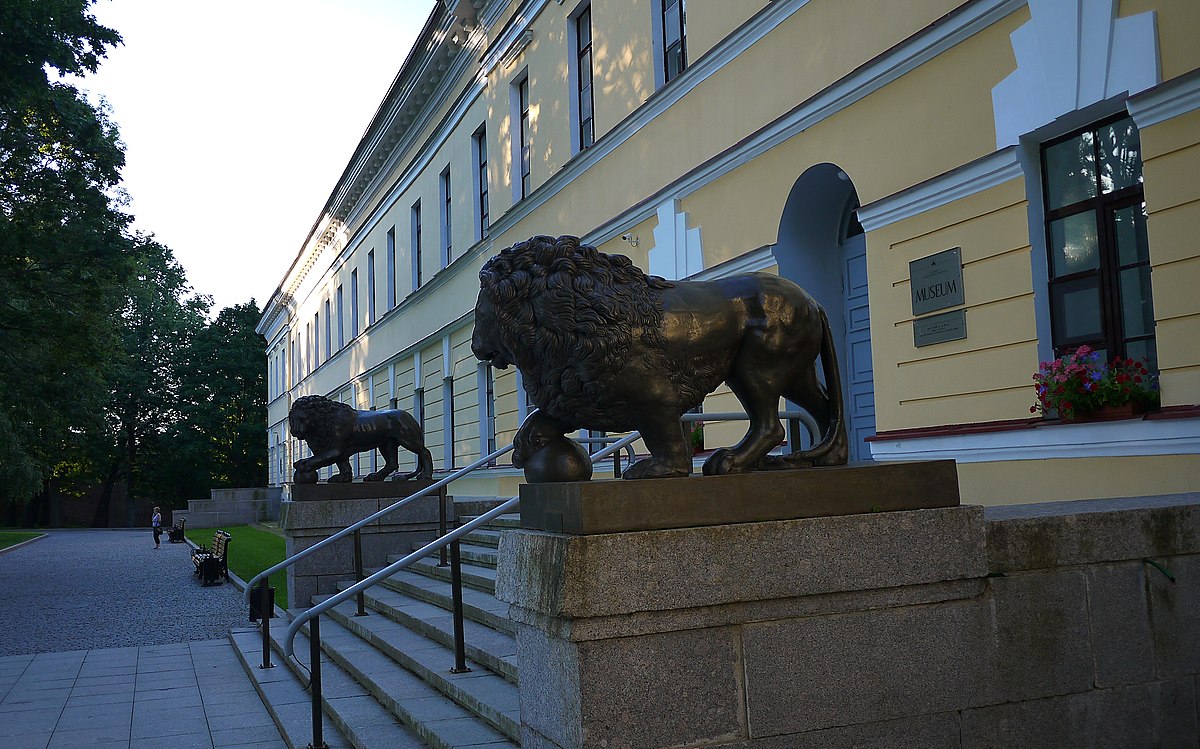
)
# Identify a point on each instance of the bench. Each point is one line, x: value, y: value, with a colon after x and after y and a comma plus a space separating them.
x: 175, y: 532
x: 212, y: 562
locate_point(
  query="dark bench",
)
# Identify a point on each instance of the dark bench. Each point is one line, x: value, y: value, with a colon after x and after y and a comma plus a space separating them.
x: 175, y: 532
x: 212, y: 562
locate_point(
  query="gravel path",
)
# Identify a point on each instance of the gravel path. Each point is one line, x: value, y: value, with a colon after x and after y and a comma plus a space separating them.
x: 84, y: 589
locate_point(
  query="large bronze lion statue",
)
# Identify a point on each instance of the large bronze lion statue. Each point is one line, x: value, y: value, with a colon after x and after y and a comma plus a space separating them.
x: 334, y: 432
x: 601, y: 345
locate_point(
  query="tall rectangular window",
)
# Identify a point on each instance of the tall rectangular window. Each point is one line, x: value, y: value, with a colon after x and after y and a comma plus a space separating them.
x: 371, y: 287
x: 479, y: 147
x: 447, y: 241
x: 341, y: 310
x: 1098, y: 267
x: 391, y: 267
x: 316, y: 340
x: 308, y: 363
x: 354, y: 318
x: 487, y: 411
x: 328, y: 332
x: 583, y: 67
x: 448, y: 422
x: 674, y: 39
x: 416, y: 245
x: 523, y: 135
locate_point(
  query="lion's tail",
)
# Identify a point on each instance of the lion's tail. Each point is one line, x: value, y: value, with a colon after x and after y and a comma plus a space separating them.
x: 835, y: 434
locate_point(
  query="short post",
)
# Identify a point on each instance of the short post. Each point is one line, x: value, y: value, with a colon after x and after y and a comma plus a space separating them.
x: 264, y: 616
x: 460, y: 646
x: 314, y: 654
x: 358, y: 573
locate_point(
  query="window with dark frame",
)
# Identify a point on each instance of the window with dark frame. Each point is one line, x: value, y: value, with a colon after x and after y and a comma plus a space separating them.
x: 371, y: 288
x: 447, y: 240
x: 674, y: 39
x: 308, y: 363
x: 328, y: 332
x: 583, y: 61
x: 416, y: 245
x: 481, y: 161
x: 489, y: 411
x: 523, y: 109
x: 448, y: 422
x: 1098, y: 262
x: 391, y: 267
x: 341, y: 312
x: 354, y: 318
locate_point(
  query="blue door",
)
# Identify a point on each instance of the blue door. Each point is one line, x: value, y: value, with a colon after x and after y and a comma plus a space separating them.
x: 858, y: 380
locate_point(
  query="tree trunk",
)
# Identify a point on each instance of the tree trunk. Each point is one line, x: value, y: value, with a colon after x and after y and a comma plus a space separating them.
x: 100, y: 518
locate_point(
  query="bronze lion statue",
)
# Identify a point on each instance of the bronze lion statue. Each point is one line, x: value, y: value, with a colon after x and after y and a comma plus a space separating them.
x: 334, y: 432
x: 602, y: 345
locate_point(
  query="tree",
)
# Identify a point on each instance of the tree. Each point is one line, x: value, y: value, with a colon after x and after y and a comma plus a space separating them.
x: 64, y: 253
x: 224, y: 420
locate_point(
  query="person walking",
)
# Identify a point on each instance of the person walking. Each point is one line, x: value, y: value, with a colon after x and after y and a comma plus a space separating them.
x: 156, y: 523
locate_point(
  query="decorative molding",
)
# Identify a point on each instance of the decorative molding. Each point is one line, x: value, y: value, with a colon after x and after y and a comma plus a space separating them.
x: 509, y: 58
x: 1176, y: 97
x: 677, y: 252
x: 748, y: 262
x: 511, y: 35
x: 1071, y: 54
x: 979, y: 175
x: 1086, y: 440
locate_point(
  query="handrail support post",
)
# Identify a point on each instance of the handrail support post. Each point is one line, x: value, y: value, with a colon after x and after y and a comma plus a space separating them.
x: 264, y: 620
x: 358, y: 573
x: 460, y: 647
x: 314, y: 652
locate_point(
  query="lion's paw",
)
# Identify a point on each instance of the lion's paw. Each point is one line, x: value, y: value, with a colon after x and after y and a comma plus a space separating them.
x: 721, y: 462
x: 652, y: 468
x: 341, y: 478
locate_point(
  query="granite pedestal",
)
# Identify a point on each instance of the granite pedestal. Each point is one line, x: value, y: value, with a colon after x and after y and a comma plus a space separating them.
x: 915, y: 627
x: 317, y: 511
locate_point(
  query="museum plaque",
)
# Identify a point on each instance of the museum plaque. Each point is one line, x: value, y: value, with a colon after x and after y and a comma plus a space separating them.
x: 936, y: 281
x: 949, y: 326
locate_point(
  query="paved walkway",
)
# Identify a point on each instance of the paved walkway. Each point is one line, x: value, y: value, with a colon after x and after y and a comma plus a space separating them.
x: 177, y: 682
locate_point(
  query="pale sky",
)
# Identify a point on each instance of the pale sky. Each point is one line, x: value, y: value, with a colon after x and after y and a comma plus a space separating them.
x: 239, y: 117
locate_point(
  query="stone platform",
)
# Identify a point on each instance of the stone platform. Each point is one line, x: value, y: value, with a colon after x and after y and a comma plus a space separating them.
x: 617, y: 506
x: 317, y: 511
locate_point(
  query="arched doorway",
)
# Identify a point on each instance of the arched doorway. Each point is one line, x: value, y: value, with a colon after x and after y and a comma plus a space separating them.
x: 822, y: 247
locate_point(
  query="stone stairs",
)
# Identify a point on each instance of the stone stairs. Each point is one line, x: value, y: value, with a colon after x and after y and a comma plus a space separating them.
x: 387, y: 677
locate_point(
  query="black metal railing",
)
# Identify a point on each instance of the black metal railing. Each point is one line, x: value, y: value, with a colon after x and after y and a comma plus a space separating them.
x: 447, y: 540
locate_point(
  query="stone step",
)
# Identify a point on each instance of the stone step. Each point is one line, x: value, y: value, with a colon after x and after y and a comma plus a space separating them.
x: 473, y: 576
x: 495, y: 649
x: 478, y: 605
x: 484, y: 537
x: 470, y: 554
x: 511, y: 520
x: 411, y: 675
x: 354, y: 719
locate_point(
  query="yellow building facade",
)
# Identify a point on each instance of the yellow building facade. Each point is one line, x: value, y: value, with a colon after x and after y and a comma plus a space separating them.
x: 1047, y: 149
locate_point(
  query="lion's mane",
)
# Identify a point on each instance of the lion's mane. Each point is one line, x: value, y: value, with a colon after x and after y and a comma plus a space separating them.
x: 322, y: 418
x: 572, y: 317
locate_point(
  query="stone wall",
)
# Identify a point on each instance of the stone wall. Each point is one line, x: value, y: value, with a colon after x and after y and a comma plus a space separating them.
x: 229, y: 507
x: 1052, y: 625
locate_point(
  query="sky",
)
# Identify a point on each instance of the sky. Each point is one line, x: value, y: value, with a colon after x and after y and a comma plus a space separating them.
x: 239, y: 117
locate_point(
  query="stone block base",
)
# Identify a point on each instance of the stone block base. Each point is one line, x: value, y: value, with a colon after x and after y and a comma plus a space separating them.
x: 306, y: 523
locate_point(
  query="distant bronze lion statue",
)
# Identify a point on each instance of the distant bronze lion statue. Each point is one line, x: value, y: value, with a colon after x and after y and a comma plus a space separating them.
x: 601, y: 345
x: 335, y: 432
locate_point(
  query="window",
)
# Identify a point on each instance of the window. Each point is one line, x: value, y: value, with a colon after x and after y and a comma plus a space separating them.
x: 316, y: 340
x: 328, y: 332
x: 479, y: 147
x: 447, y: 244
x: 448, y: 422
x: 371, y: 288
x: 583, y: 71
x: 354, y: 318
x: 1099, y: 260
x: 487, y: 411
x: 416, y: 245
x: 308, y: 354
x: 523, y: 157
x: 674, y: 39
x: 341, y: 319
x: 391, y: 267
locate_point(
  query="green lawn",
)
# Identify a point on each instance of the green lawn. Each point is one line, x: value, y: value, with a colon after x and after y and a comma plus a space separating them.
x: 251, y: 550
x: 12, y: 538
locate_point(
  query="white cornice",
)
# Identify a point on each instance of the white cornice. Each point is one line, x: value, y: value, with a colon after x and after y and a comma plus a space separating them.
x: 981, y: 174
x: 1087, y: 440
x: 1175, y: 97
x: 509, y: 44
x: 747, y: 262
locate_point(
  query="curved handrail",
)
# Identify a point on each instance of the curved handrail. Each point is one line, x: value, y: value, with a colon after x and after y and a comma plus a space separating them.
x: 391, y: 569
x: 370, y: 518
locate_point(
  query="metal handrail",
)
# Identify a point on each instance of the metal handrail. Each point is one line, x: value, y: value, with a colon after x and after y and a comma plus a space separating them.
x: 371, y: 518
x: 391, y: 569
